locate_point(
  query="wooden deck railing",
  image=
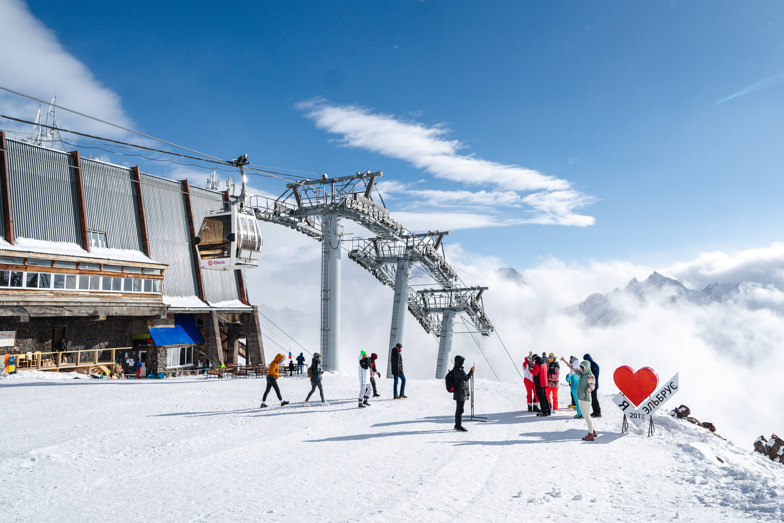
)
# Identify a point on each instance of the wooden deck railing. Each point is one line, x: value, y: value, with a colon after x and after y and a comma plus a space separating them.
x: 69, y: 359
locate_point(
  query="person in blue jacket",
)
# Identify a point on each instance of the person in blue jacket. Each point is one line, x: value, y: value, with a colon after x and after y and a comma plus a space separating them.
x: 300, y: 363
x: 573, y: 379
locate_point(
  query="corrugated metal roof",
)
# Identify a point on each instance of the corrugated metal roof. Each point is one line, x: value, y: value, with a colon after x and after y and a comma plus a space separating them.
x: 167, y: 228
x: 110, y: 198
x: 43, y: 196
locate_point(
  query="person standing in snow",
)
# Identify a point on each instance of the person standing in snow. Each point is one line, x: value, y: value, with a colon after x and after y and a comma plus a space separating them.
x: 583, y: 396
x: 573, y: 379
x: 539, y: 372
x: 397, y: 371
x: 596, y: 408
x: 364, y: 379
x: 273, y: 372
x: 528, y: 381
x: 315, y: 380
x: 462, y: 391
x: 553, y: 376
x: 300, y: 363
x: 374, y: 371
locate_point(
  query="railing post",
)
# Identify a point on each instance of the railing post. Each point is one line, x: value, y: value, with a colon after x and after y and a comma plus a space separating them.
x: 95, y: 357
x: 59, y: 359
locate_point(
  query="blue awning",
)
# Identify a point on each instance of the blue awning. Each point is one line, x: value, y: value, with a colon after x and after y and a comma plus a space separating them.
x: 184, y: 332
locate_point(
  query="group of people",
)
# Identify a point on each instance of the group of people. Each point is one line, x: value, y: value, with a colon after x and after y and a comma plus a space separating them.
x: 541, y: 376
x: 367, y: 376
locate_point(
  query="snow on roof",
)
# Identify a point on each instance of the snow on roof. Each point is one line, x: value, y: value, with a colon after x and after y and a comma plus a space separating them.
x: 71, y: 249
x: 230, y: 304
x: 185, y: 302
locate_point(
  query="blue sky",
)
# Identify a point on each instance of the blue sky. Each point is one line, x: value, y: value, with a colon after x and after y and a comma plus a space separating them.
x: 647, y: 132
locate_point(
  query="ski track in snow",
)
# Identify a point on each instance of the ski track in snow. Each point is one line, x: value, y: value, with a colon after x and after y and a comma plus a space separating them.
x: 192, y: 449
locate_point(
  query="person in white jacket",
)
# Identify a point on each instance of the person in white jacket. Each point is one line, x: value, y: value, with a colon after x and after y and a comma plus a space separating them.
x: 364, y: 379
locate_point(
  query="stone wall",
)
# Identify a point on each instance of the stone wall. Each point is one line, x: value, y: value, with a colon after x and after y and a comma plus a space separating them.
x: 36, y: 334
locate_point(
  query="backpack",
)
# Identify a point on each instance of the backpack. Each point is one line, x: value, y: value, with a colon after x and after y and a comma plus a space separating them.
x: 450, y: 381
x: 310, y: 371
x: 591, y: 384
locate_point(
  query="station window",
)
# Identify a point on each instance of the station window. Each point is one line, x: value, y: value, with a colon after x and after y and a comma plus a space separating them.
x: 44, y: 280
x: 59, y: 281
x: 32, y: 280
x: 65, y: 265
x: 17, y: 278
x: 90, y: 266
x: 112, y: 268
x: 84, y: 283
x: 3, y: 278
x: 11, y: 261
x: 97, y: 239
x: 39, y: 263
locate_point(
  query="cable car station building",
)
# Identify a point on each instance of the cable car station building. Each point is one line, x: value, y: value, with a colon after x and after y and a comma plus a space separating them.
x: 104, y: 256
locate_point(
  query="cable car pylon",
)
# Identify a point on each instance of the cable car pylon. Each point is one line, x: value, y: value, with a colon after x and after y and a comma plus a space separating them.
x: 316, y: 208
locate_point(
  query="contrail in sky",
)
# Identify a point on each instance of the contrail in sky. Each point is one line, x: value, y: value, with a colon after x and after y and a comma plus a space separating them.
x: 767, y: 82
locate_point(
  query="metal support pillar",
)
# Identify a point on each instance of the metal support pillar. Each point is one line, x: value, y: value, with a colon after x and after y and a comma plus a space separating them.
x: 331, y: 236
x: 445, y: 343
x: 399, y: 308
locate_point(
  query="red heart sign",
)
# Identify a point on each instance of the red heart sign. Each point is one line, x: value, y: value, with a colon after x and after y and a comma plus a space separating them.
x: 636, y: 386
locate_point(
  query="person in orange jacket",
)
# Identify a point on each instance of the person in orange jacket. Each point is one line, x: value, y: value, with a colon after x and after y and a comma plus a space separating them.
x: 273, y: 373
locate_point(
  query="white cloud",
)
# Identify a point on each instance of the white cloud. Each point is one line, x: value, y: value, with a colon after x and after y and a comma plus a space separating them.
x: 763, y: 265
x: 550, y: 200
x: 35, y: 63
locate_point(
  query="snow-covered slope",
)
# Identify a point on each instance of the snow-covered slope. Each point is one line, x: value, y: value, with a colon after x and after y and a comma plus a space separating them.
x: 192, y: 449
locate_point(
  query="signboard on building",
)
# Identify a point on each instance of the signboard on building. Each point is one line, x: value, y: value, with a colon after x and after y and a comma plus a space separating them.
x: 7, y: 338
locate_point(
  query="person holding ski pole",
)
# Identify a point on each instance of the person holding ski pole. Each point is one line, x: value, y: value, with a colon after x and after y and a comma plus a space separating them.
x: 462, y: 391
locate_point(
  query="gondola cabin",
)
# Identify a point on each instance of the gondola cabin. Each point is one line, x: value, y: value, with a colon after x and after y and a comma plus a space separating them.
x: 229, y: 240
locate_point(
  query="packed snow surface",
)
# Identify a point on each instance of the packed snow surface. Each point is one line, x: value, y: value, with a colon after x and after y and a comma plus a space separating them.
x: 198, y: 449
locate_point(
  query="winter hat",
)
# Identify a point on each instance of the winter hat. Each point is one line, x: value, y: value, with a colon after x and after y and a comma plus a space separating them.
x: 374, y: 356
x: 362, y: 353
x: 317, y: 355
x: 398, y: 346
x: 552, y: 355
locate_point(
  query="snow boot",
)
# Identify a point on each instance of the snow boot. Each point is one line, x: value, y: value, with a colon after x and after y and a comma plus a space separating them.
x: 366, y: 401
x: 284, y: 403
x: 589, y: 437
x: 530, y: 408
x: 376, y: 395
x: 596, y: 415
x: 402, y: 397
x: 396, y: 398
x: 263, y: 405
x: 361, y: 405
x: 578, y: 416
x: 461, y: 429
x: 536, y: 407
x: 306, y: 404
x: 541, y: 414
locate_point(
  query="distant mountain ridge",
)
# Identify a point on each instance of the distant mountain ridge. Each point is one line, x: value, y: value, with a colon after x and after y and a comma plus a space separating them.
x: 607, y: 309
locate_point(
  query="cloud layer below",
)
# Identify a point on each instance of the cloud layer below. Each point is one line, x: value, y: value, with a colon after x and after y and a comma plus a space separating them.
x: 507, y: 194
x: 728, y: 354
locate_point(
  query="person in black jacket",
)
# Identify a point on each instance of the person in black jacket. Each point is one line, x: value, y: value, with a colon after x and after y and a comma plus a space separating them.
x: 374, y: 372
x: 315, y: 380
x: 462, y: 391
x: 595, y: 407
x: 397, y: 372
